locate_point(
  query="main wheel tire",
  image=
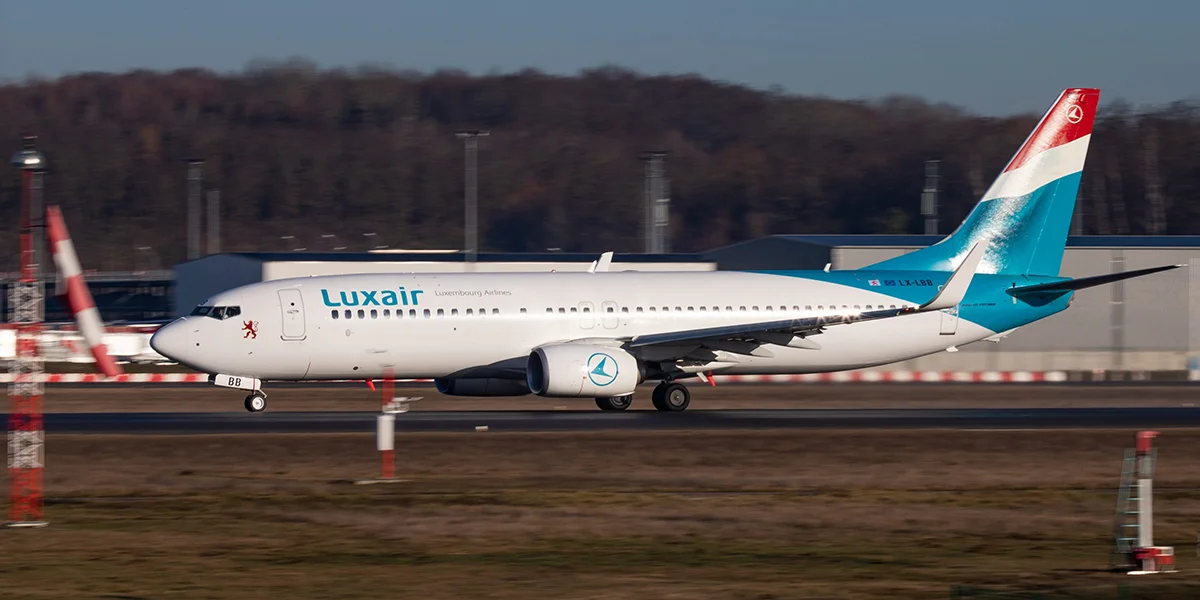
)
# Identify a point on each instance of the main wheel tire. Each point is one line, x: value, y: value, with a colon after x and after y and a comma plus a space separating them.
x: 657, y: 398
x: 676, y: 397
x: 256, y: 402
x: 615, y: 402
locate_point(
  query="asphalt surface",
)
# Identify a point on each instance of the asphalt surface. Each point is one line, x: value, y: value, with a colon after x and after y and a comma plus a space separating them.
x: 526, y: 421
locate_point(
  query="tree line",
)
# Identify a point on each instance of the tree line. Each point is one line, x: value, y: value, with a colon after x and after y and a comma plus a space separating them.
x: 303, y: 152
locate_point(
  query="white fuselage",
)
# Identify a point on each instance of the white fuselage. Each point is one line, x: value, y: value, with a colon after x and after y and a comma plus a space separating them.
x: 434, y: 326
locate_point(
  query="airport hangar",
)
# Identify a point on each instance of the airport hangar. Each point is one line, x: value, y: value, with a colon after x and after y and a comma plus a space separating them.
x: 1144, y: 324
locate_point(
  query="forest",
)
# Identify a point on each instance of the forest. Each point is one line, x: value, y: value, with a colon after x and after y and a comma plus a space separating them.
x: 305, y: 157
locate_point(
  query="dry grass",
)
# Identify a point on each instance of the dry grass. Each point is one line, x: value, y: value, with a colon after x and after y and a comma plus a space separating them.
x: 305, y: 397
x: 754, y: 515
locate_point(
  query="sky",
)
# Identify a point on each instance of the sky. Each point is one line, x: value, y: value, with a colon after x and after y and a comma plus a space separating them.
x: 994, y: 58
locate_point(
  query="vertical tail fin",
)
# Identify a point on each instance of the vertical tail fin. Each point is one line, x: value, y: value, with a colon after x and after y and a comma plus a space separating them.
x: 1026, y: 214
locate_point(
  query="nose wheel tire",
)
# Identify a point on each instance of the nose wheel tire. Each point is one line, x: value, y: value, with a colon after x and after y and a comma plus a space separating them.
x: 256, y: 402
x: 671, y: 397
x: 615, y: 403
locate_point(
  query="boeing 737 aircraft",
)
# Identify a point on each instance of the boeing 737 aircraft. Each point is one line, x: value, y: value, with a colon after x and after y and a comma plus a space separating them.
x: 599, y: 334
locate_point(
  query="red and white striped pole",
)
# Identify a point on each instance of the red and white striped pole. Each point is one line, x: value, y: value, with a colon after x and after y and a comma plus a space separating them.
x: 385, y: 431
x: 78, y: 298
x: 26, y: 435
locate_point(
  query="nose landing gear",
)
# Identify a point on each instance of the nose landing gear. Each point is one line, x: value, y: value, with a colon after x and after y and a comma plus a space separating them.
x: 256, y: 401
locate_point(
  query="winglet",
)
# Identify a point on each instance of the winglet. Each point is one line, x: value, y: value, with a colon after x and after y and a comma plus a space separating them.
x: 955, y: 288
x: 602, y: 264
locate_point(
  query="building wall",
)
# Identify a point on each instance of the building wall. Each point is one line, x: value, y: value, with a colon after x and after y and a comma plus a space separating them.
x: 1148, y: 323
x: 198, y: 280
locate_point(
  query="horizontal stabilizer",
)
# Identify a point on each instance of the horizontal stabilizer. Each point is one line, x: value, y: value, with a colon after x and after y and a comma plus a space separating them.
x: 1070, y: 285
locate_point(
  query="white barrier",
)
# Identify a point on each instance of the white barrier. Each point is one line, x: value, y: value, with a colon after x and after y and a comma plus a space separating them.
x: 829, y: 378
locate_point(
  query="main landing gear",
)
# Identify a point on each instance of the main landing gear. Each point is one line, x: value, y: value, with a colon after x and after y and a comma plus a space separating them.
x: 256, y: 401
x: 668, y: 396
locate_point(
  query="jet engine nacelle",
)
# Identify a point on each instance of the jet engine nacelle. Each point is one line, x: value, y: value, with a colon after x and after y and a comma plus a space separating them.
x: 581, y: 370
x: 481, y: 387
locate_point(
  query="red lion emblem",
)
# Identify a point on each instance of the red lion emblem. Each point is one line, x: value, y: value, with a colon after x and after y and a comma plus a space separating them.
x: 251, y: 329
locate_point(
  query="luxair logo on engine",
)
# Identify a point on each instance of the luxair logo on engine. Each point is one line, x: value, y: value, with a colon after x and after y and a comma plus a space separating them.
x: 602, y: 369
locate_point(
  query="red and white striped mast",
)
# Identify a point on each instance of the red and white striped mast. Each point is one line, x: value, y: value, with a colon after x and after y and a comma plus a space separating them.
x: 26, y: 435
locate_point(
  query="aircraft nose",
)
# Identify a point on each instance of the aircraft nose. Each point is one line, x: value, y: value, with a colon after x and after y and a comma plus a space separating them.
x: 172, y: 341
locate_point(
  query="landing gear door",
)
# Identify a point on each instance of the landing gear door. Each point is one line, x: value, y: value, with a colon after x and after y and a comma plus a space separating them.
x: 292, y: 307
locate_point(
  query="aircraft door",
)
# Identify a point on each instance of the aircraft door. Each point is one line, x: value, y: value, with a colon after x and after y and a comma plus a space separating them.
x: 609, y: 315
x: 587, y: 315
x: 950, y: 320
x: 292, y: 307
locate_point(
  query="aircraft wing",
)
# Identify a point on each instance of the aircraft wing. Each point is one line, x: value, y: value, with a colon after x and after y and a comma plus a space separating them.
x: 950, y: 295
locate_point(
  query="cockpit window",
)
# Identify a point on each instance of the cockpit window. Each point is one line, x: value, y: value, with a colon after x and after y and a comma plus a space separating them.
x: 219, y: 313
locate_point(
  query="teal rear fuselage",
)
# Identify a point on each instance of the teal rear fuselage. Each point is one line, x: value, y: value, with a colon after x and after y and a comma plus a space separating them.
x: 986, y: 304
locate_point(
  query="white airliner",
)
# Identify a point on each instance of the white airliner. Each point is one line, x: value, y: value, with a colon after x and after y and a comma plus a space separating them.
x: 599, y: 334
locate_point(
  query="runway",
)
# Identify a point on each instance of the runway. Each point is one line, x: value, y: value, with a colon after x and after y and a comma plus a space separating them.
x: 546, y: 421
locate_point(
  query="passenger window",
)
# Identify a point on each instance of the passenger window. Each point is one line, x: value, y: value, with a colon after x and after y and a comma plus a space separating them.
x: 441, y: 313
x: 427, y: 313
x: 690, y: 309
x: 729, y: 308
x: 454, y: 312
x: 585, y: 309
x: 561, y: 310
x: 624, y: 309
x: 470, y: 313
x: 754, y: 308
x: 610, y: 309
x: 702, y: 309
x: 742, y: 308
x: 374, y: 314
x: 639, y: 309
x: 574, y: 310
x: 523, y: 311
x: 652, y: 309
x: 807, y: 307
x: 550, y: 310
x: 362, y: 314
x: 347, y: 313
x: 387, y: 313
x: 678, y: 309
x: 333, y: 313
x: 495, y: 311
x: 768, y: 309
x: 857, y: 307
x: 412, y: 313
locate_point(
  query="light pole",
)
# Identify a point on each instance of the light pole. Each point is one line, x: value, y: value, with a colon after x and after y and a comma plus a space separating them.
x: 470, y: 222
x: 195, y: 179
